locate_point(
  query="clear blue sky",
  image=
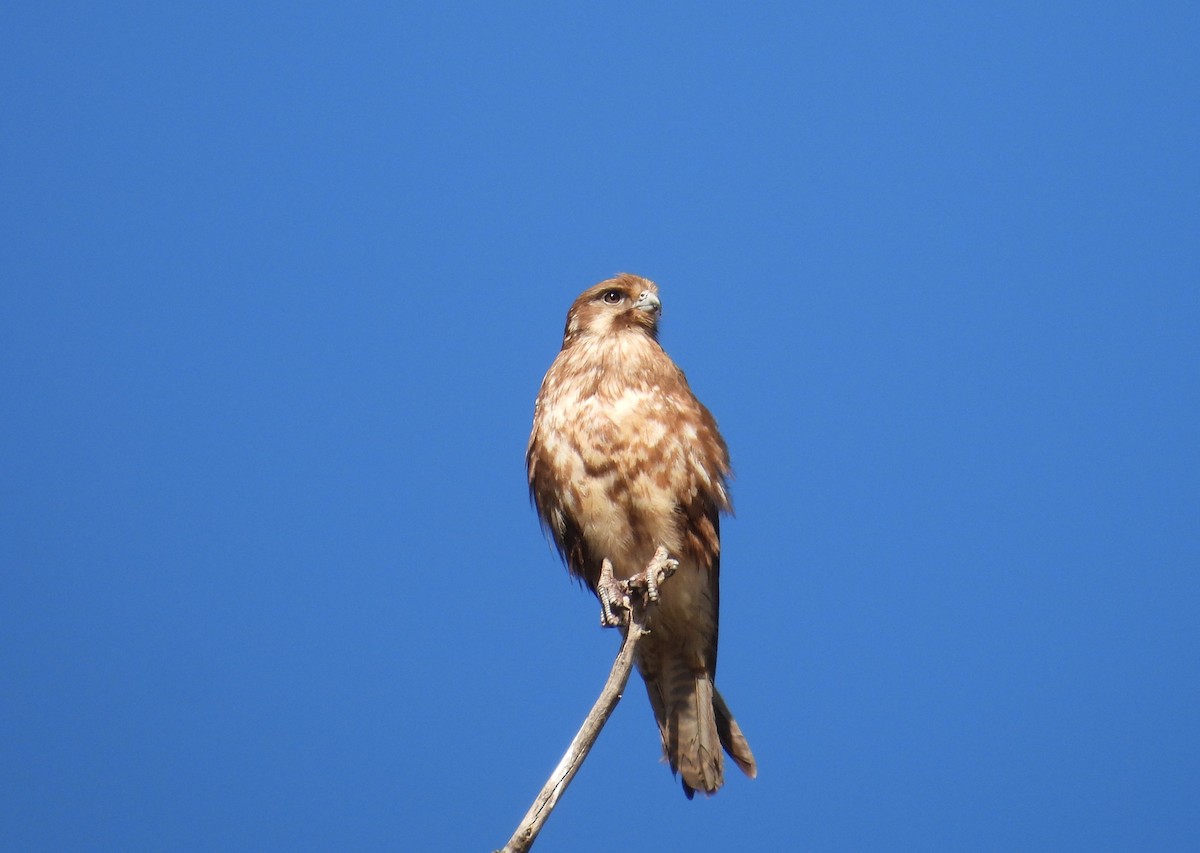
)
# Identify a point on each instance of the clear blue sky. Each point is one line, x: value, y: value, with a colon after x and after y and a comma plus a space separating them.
x: 280, y: 284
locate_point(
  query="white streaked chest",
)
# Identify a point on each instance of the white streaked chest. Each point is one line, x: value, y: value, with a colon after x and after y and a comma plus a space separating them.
x: 619, y: 440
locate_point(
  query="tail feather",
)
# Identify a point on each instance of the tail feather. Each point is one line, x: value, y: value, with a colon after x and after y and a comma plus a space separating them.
x: 698, y: 754
x: 732, y: 738
x: 695, y: 724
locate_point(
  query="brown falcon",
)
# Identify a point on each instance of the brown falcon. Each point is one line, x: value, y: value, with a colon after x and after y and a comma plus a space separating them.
x: 623, y: 458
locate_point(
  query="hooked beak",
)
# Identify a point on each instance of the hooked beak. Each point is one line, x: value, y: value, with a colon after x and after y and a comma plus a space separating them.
x: 648, y: 301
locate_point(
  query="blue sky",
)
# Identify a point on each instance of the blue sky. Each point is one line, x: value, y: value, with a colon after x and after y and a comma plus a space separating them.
x: 281, y: 284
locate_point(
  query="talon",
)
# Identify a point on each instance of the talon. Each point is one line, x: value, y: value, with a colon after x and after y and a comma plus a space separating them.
x: 610, y: 593
x: 660, y: 562
x: 652, y: 584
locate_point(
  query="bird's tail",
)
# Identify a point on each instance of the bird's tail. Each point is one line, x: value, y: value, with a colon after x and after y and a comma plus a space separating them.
x: 695, y: 724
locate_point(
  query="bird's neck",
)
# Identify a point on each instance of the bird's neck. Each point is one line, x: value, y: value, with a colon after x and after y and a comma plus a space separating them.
x: 618, y: 360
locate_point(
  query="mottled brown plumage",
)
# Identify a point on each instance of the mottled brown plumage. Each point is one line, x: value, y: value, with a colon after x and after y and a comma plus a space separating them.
x: 624, y: 458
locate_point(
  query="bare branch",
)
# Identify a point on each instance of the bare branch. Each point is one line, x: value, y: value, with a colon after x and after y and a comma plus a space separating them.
x: 628, y: 599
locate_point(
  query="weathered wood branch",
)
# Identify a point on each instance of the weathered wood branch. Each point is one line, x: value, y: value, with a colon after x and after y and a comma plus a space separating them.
x: 627, y: 600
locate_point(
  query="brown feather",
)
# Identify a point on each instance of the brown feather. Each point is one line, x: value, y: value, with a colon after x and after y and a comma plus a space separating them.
x: 623, y: 458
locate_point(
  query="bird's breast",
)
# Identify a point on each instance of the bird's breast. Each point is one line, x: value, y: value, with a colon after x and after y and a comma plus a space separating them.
x: 624, y: 462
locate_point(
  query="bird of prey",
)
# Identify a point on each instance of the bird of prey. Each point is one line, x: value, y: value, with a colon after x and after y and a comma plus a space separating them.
x: 622, y: 459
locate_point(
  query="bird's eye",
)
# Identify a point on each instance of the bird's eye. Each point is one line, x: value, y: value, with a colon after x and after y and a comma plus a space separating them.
x: 613, y: 297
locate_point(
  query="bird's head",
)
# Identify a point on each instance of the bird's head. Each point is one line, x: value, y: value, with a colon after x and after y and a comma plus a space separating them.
x: 620, y: 304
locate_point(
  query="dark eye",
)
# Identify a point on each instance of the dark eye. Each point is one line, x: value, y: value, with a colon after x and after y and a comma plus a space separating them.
x: 613, y: 297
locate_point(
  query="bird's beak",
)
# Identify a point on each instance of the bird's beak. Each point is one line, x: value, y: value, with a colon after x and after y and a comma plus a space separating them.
x: 648, y: 301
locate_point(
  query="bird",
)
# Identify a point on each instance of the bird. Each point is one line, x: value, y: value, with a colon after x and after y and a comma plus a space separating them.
x: 622, y: 459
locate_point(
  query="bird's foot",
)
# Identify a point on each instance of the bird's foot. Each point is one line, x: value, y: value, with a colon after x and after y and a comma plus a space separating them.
x: 613, y: 594
x: 616, y: 597
x: 660, y: 562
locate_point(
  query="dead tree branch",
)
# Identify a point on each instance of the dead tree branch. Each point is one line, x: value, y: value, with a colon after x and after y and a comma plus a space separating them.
x: 622, y: 603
